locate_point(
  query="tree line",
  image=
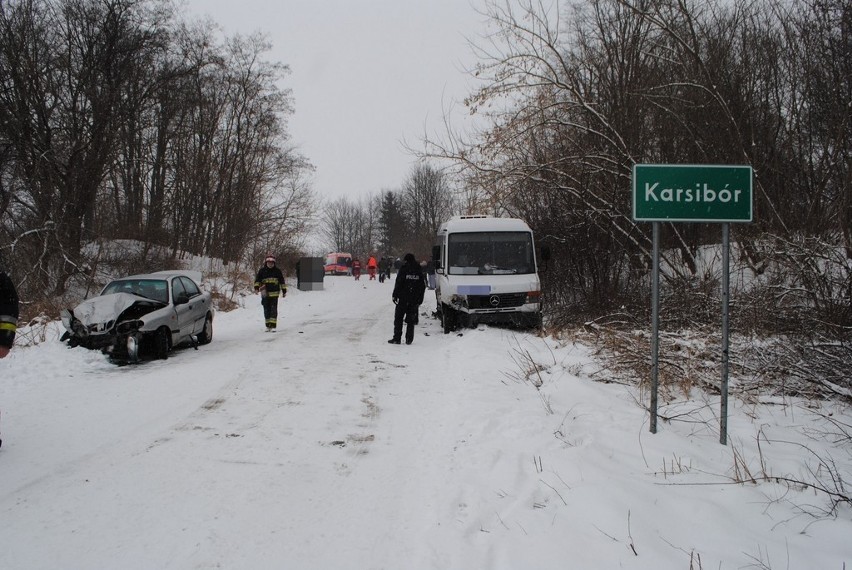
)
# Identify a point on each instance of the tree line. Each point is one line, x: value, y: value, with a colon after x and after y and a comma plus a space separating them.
x: 573, y: 95
x: 392, y: 222
x: 118, y: 120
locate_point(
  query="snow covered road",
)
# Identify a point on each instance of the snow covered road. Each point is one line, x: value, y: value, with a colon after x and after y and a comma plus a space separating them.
x: 321, y: 446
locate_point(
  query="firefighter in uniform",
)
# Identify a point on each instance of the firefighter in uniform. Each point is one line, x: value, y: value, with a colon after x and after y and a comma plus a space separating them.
x: 270, y: 284
x: 8, y: 313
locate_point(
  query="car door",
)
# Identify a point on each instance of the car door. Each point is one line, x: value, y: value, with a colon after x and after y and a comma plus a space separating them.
x: 184, y: 310
x: 197, y: 306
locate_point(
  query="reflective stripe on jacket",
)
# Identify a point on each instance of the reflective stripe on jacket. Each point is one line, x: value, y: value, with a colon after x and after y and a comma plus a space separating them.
x: 8, y: 311
x: 272, y: 281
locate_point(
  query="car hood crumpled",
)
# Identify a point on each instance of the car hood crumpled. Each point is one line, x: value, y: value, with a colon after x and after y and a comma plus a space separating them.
x: 108, y: 307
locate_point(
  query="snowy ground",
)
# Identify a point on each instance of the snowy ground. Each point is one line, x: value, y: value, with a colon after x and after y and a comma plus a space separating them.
x: 321, y: 446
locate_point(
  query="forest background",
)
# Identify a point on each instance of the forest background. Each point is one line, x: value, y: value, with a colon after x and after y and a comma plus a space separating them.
x: 119, y: 120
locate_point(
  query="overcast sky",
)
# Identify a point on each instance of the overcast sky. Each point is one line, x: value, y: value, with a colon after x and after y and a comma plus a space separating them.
x: 365, y: 75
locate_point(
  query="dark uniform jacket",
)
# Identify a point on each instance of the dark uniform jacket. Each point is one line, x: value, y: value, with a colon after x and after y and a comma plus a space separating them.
x: 272, y: 280
x: 410, y: 284
x: 8, y: 310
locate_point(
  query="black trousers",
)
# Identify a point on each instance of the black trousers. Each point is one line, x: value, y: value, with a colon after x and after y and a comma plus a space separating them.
x: 405, y: 310
x: 270, y: 311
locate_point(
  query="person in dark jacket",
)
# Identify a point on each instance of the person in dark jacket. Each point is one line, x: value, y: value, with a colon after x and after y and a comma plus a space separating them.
x: 270, y: 284
x: 385, y: 265
x: 8, y: 313
x: 408, y: 293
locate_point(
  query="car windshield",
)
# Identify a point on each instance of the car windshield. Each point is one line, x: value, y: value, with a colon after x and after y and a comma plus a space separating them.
x: 490, y: 253
x: 155, y: 289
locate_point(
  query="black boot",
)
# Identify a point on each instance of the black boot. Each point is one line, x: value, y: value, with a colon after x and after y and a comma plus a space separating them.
x: 393, y: 341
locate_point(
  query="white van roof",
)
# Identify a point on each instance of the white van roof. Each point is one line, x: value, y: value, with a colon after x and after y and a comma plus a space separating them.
x: 483, y: 224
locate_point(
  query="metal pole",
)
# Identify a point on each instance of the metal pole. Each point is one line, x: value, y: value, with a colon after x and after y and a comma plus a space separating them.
x: 655, y: 323
x: 723, y: 420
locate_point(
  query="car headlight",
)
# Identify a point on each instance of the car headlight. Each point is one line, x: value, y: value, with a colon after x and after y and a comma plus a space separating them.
x: 128, y: 327
x: 71, y: 324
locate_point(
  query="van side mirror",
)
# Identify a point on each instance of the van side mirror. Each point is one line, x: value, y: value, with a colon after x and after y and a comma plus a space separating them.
x: 436, y: 256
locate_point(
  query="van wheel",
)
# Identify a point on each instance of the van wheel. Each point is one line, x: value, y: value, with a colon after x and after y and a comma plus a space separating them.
x: 448, y: 319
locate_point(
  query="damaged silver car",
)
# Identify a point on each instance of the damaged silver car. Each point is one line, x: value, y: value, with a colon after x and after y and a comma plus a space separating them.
x: 143, y: 316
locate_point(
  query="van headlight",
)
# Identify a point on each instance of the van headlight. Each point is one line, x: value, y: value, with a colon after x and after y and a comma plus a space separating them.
x: 459, y: 300
x: 533, y: 297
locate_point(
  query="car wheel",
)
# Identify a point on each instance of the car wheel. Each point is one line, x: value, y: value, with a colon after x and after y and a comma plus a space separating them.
x: 206, y: 334
x: 161, y: 344
x: 132, y: 344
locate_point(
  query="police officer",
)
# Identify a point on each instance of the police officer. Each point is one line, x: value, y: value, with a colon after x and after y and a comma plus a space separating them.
x: 8, y: 313
x: 408, y: 293
x: 270, y: 284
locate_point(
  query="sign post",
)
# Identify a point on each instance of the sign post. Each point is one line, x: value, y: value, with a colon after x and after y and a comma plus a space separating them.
x: 655, y: 324
x: 700, y: 194
x: 723, y: 415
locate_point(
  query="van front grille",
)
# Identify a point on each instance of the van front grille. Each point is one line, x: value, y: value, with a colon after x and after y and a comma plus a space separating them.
x: 496, y: 301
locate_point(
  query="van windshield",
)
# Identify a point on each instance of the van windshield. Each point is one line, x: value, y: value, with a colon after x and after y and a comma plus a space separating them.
x: 490, y: 253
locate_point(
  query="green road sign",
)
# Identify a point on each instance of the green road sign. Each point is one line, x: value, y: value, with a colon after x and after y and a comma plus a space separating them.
x: 692, y: 193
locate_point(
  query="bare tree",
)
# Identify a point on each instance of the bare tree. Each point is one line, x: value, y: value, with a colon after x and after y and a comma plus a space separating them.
x: 574, y: 99
x: 391, y: 228
x: 67, y: 65
x: 427, y: 202
x: 117, y: 121
x: 286, y: 213
x: 352, y: 226
x: 338, y: 223
x: 367, y: 234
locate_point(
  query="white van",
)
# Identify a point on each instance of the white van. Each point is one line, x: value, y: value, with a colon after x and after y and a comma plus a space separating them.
x: 486, y: 272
